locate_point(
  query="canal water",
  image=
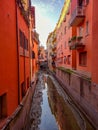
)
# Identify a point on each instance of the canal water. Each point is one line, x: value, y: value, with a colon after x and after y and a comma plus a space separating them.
x: 52, y: 109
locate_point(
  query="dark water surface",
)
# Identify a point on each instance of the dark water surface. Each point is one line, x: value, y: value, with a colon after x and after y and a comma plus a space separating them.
x: 52, y: 109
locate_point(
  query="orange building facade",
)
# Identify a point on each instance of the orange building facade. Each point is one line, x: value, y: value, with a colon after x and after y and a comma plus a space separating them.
x: 83, y: 24
x: 34, y: 45
x: 74, y: 37
x: 35, y: 48
x: 64, y: 32
x: 24, y: 51
x: 15, y: 56
x: 76, y: 61
x: 42, y: 57
x: 51, y: 49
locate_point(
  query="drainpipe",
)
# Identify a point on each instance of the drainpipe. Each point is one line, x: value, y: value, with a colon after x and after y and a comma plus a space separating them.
x: 18, y: 63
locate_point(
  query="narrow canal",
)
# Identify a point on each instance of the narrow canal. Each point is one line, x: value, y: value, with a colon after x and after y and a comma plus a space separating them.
x: 52, y: 109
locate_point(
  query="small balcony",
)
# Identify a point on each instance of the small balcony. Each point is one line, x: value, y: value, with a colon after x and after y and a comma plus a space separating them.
x: 77, y: 16
x: 76, y: 43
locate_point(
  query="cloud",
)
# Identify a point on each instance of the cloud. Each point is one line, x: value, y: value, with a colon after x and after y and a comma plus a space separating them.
x: 59, y: 1
x: 44, y: 25
x: 47, y: 13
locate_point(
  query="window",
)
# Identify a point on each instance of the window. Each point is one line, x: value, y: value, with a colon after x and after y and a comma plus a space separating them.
x: 83, y: 59
x: 25, y: 43
x: 87, y: 28
x: 65, y: 19
x: 80, y: 2
x: 28, y: 82
x: 21, y: 38
x: 3, y: 106
x: 86, y: 1
x: 68, y: 25
x: 65, y: 30
x: 65, y: 59
x: 80, y: 31
x: 69, y: 59
x: 33, y: 55
x: 42, y: 57
x: 23, y: 89
x: 68, y: 11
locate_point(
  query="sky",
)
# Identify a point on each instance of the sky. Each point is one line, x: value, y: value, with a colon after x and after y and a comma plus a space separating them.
x: 47, y: 13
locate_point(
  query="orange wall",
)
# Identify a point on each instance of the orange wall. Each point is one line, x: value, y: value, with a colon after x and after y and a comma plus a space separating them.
x: 24, y: 60
x: 8, y: 55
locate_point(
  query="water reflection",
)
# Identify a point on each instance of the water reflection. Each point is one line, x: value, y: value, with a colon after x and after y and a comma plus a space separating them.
x: 63, y: 114
x: 41, y: 117
x: 49, y: 110
x: 67, y: 115
x: 48, y: 121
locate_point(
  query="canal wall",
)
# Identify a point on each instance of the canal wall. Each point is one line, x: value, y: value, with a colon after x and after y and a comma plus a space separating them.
x: 84, y: 93
x: 19, y: 119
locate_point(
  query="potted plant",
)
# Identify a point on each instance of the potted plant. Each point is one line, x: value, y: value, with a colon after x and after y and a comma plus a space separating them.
x: 73, y: 38
x: 79, y: 37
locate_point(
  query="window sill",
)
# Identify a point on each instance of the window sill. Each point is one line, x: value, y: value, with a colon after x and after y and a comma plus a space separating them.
x: 83, y: 65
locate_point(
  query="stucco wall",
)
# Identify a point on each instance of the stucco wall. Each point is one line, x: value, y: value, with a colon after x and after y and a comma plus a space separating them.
x: 8, y: 55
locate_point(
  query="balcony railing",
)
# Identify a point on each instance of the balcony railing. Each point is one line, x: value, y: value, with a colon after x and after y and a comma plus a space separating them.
x: 77, y: 16
x: 77, y: 43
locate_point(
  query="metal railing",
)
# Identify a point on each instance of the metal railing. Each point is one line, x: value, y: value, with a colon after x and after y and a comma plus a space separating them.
x: 78, y: 12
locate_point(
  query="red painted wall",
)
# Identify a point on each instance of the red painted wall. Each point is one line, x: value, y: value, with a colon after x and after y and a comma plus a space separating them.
x: 8, y: 55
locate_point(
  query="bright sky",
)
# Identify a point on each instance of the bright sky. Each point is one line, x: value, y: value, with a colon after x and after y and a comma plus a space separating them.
x: 47, y: 13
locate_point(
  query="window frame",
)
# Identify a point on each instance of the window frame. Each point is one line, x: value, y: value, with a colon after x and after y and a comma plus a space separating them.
x: 83, y: 59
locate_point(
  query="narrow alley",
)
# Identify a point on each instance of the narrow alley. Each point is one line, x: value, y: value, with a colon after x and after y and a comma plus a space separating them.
x: 52, y: 108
